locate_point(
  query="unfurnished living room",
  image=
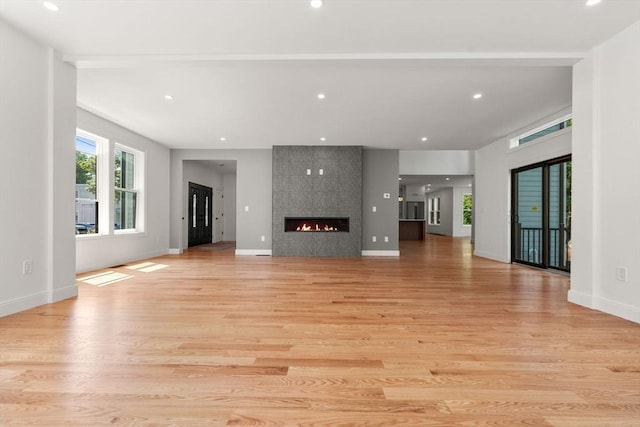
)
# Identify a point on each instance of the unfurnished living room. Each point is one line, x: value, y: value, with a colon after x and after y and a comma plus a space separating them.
x: 332, y: 213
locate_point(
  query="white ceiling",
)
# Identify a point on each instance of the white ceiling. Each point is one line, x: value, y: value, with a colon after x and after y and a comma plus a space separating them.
x: 393, y: 71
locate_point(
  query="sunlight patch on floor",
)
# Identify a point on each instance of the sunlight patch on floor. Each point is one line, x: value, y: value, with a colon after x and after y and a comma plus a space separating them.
x: 104, y: 279
x: 146, y: 267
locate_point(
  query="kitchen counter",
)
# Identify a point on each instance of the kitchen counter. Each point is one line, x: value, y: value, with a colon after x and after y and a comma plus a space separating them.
x: 411, y: 229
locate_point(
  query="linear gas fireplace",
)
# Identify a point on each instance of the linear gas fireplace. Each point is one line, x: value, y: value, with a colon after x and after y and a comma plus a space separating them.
x: 316, y: 224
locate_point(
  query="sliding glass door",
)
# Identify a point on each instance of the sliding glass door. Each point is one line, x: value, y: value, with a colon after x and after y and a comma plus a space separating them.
x: 541, y: 214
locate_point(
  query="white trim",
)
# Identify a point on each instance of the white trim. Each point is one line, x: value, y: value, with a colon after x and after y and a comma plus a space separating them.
x: 502, y: 58
x: 580, y: 298
x: 67, y: 292
x: 380, y: 253
x: 253, y: 252
x: 175, y: 251
x: 27, y: 302
x: 23, y: 303
x: 490, y: 256
x: 616, y: 308
x: 604, y: 305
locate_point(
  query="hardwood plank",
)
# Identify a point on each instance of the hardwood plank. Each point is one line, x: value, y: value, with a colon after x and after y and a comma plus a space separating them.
x: 435, y: 337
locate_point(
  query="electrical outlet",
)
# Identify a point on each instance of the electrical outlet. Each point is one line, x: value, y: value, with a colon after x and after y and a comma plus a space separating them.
x: 27, y: 266
x: 373, y: 239
x: 262, y: 238
x: 373, y: 209
x: 621, y: 274
x: 386, y: 239
x: 246, y: 208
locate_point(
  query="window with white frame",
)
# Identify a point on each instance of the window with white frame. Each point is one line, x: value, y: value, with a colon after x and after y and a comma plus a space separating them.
x: 125, y: 189
x: 467, y: 209
x: 541, y: 131
x: 88, y: 155
x: 109, y: 186
x: 434, y: 210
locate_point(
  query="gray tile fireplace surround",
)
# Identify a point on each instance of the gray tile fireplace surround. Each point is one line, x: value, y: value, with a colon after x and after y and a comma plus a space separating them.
x: 317, y: 181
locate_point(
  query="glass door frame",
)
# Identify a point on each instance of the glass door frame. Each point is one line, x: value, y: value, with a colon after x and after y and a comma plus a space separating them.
x: 545, y: 233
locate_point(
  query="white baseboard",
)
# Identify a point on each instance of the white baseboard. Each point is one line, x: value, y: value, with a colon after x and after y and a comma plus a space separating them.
x: 27, y: 302
x: 22, y: 303
x: 616, y: 308
x: 380, y: 253
x: 266, y: 252
x: 175, y: 251
x: 64, y: 293
x: 580, y: 298
x: 490, y: 256
x: 605, y: 305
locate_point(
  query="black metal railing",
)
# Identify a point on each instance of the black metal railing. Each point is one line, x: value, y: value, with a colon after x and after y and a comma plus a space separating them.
x: 529, y: 246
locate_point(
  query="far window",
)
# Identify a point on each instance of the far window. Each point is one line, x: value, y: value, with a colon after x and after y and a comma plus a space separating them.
x: 544, y: 130
x: 126, y: 192
x: 434, y: 210
x: 467, y: 209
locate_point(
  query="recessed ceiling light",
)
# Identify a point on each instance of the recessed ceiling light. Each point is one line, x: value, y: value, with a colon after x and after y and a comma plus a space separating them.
x: 399, y: 178
x: 447, y: 179
x: 321, y: 96
x: 168, y: 97
x: 316, y: 3
x: 424, y: 139
x: 223, y: 139
x: 323, y: 139
x: 477, y: 95
x: 592, y: 2
x: 51, y: 6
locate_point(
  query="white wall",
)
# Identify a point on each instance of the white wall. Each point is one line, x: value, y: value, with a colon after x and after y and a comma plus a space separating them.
x: 492, y: 188
x: 253, y: 189
x: 229, y: 209
x: 437, y: 162
x: 380, y: 176
x: 606, y: 147
x: 37, y: 129
x: 93, y: 252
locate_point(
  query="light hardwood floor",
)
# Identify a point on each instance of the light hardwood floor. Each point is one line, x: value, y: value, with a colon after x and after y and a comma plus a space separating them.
x: 436, y: 337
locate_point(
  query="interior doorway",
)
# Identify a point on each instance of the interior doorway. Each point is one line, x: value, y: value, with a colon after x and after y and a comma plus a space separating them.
x: 541, y: 214
x: 200, y: 214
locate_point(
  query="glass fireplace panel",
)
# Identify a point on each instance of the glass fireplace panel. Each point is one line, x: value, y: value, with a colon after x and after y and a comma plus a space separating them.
x: 316, y: 224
